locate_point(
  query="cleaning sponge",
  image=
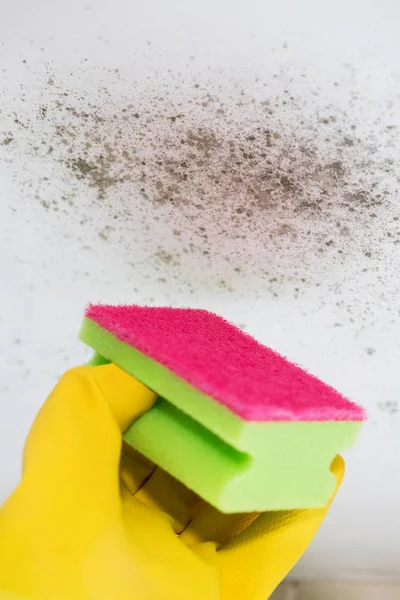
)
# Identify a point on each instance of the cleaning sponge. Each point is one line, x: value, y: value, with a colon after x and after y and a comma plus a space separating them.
x: 235, y: 421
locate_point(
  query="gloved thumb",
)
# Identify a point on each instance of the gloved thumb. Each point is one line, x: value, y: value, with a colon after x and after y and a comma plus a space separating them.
x: 73, y: 449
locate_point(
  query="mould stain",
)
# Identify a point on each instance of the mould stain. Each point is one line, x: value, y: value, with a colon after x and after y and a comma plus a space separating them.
x: 230, y: 179
x: 391, y: 407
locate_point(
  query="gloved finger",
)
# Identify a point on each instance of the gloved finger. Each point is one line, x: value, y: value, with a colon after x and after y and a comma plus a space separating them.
x: 257, y: 560
x: 135, y: 469
x: 125, y: 395
x: 166, y: 494
x: 73, y: 449
x: 182, y: 573
x: 210, y: 525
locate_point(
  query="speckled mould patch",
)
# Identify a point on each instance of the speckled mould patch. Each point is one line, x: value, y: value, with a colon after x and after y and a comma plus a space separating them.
x: 277, y: 185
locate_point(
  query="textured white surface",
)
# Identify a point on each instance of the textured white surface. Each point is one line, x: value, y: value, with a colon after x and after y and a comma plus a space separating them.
x: 281, y: 593
x: 346, y: 591
x: 330, y: 590
x: 242, y: 157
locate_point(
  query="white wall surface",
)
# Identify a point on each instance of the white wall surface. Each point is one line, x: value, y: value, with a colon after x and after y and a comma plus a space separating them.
x: 238, y: 156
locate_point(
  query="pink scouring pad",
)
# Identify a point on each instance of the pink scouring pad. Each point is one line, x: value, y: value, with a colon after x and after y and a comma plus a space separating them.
x: 236, y: 422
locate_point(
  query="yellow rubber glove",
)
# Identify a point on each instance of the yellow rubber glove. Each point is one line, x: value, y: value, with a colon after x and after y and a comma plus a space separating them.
x: 87, y: 523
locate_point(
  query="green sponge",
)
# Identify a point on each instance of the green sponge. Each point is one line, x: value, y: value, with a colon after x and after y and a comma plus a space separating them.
x: 235, y: 422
